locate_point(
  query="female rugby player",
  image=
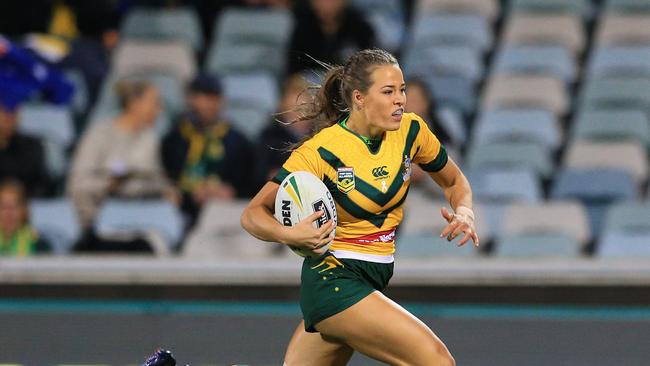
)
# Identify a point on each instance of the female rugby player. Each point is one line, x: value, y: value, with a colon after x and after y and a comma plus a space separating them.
x: 362, y: 149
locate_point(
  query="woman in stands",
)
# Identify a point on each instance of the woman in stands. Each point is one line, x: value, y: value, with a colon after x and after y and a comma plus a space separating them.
x: 363, y: 149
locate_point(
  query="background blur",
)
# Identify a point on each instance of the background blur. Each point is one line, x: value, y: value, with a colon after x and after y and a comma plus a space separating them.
x: 132, y: 134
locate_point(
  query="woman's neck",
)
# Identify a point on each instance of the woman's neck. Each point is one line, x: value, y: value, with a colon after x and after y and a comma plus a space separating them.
x: 127, y: 123
x: 358, y: 123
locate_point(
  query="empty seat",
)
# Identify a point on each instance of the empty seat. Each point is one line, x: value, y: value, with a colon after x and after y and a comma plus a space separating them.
x: 521, y: 125
x: 629, y: 156
x: 518, y: 91
x: 451, y: 91
x: 446, y: 59
x: 249, y: 121
x: 582, y: 8
x: 596, y: 189
x: 488, y: 9
x: 238, y: 47
x: 246, y: 90
x: 612, y: 125
x: 627, y: 6
x: 616, y: 92
x: 536, y: 60
x: 158, y: 220
x: 178, y: 23
x: 218, y: 234
x: 56, y: 220
x: 505, y: 185
x: 170, y: 57
x: 419, y: 234
x: 537, y: 245
x: 552, y: 217
x: 388, y: 19
x: 633, y: 61
x: 514, y: 155
x: 627, y: 231
x: 621, y: 29
x: 451, y: 29
x: 563, y: 30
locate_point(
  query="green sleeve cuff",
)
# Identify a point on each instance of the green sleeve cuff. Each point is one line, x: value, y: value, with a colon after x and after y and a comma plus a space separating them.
x: 280, y: 175
x: 438, y: 163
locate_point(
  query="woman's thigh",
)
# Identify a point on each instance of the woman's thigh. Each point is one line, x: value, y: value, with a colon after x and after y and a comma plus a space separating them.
x: 380, y: 328
x: 307, y: 349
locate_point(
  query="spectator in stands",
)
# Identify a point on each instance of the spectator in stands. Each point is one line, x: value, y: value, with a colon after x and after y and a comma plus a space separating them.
x: 420, y: 101
x: 21, y: 156
x: 206, y: 157
x: 120, y: 157
x: 327, y: 30
x: 276, y: 139
x: 17, y: 237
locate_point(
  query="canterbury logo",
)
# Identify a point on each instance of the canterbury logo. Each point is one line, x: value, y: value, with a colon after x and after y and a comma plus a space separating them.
x: 380, y: 172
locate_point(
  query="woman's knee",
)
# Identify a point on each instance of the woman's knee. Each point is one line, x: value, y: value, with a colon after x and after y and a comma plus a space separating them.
x: 437, y: 354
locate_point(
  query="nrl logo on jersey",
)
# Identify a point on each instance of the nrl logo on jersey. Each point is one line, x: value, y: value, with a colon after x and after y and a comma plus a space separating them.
x: 345, y: 179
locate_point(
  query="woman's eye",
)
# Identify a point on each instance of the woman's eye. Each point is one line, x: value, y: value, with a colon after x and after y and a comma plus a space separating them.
x: 387, y: 92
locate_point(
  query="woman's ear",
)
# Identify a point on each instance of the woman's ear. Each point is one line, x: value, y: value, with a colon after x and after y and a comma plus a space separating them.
x: 357, y: 99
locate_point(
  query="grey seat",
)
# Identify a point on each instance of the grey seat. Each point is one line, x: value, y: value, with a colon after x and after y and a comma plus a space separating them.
x: 56, y: 220
x: 470, y: 30
x: 524, y: 245
x: 505, y: 185
x: 616, y: 93
x: 628, y: 155
x: 510, y: 156
x: 620, y: 60
x: 612, y: 125
x: 536, y: 59
x: 526, y: 91
x: 537, y: 126
x: 178, y: 23
x: 627, y: 231
x: 488, y: 9
x: 582, y: 8
x: 169, y: 57
x: 464, y: 61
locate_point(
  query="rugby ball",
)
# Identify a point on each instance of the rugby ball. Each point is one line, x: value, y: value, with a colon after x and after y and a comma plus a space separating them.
x: 301, y: 194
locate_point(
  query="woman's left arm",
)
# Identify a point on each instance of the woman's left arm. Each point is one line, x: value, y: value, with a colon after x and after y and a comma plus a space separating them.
x: 459, y: 194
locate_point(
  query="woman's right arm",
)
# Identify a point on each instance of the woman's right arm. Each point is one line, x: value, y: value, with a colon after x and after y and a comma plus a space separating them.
x: 259, y: 221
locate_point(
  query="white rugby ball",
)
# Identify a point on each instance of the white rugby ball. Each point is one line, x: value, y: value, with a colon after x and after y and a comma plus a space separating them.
x: 301, y: 194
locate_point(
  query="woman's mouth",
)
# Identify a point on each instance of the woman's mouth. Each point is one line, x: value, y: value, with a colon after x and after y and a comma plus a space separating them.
x: 397, y: 115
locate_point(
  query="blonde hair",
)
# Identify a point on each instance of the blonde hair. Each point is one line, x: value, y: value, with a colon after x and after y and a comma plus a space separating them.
x: 129, y: 90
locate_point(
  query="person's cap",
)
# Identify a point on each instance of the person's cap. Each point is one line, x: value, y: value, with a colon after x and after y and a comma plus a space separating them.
x: 206, y: 83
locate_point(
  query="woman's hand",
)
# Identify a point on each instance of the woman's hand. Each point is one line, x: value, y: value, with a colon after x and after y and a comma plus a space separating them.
x: 460, y: 222
x: 304, y: 235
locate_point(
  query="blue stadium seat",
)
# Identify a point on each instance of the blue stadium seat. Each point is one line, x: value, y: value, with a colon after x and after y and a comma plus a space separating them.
x: 509, y: 156
x: 596, y: 189
x: 451, y: 29
x: 387, y: 18
x: 552, y: 60
x: 627, y: 6
x: 488, y: 9
x: 537, y: 245
x: 238, y: 48
x: 623, y: 60
x: 247, y: 120
x: 452, y: 91
x: 173, y: 57
x: 612, y: 125
x: 178, y: 23
x: 157, y: 218
x: 246, y: 90
x: 463, y: 61
x: 627, y: 231
x: 56, y: 220
x: 581, y: 8
x: 537, y: 126
x: 505, y: 185
x: 616, y: 92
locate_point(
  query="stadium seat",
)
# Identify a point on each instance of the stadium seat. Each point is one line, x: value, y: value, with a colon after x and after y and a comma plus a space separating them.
x: 454, y: 92
x: 169, y: 57
x: 582, y: 8
x: 158, y: 220
x: 631, y: 61
x: 616, y: 92
x: 388, y: 20
x: 505, y: 185
x: 218, y: 234
x: 561, y: 30
x: 238, y: 48
x: 451, y: 29
x: 513, y: 155
x: 178, y: 23
x: 452, y: 121
x: 488, y: 9
x: 612, y: 125
x: 596, y: 189
x: 536, y: 245
x: 518, y: 125
x: 627, y: 6
x: 627, y: 231
x: 247, y: 120
x: 246, y: 90
x: 419, y: 234
x: 623, y: 29
x: 445, y: 60
x: 56, y: 220
x: 629, y: 156
x: 519, y: 91
x: 536, y: 60
x: 551, y: 217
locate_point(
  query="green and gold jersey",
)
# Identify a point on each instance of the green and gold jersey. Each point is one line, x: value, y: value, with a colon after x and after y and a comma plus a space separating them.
x: 369, y: 187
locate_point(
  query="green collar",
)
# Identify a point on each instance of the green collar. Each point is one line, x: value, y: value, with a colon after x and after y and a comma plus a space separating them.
x: 373, y: 143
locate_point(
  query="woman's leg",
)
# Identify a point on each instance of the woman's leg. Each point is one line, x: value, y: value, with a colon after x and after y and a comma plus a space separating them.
x: 307, y: 349
x: 379, y: 328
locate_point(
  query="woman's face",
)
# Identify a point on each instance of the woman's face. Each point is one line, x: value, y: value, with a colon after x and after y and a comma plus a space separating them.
x: 147, y: 106
x: 12, y: 211
x: 418, y: 101
x: 384, y: 102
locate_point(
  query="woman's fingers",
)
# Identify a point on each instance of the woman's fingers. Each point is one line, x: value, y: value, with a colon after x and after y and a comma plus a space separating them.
x: 446, y: 214
x: 449, y: 228
x: 465, y: 238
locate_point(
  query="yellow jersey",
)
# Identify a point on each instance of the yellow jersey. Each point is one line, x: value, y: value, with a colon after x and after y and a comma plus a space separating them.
x: 369, y: 187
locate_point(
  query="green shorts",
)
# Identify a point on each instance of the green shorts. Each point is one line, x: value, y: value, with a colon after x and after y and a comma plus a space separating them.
x: 330, y: 285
